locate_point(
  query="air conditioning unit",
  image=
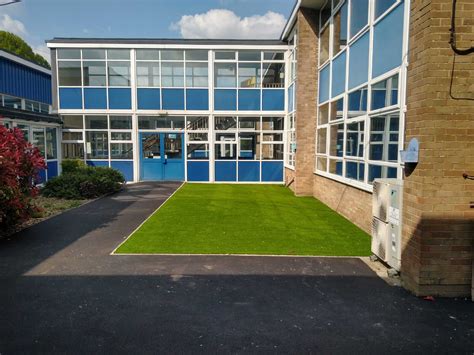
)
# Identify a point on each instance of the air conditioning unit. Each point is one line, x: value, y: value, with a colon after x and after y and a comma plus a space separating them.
x: 386, y: 220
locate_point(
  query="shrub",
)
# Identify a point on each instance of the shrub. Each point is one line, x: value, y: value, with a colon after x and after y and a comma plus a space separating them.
x: 84, y: 182
x: 20, y: 164
x: 71, y: 165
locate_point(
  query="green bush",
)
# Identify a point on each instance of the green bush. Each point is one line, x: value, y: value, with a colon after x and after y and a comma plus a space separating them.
x: 84, y: 182
x: 72, y: 165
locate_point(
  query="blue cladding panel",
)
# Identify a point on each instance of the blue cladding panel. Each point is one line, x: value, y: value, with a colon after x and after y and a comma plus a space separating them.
x: 125, y: 167
x: 19, y: 80
x: 359, y: 62
x: 120, y: 99
x: 173, y: 99
x: 226, y: 171
x: 148, y: 99
x: 272, y: 171
x: 388, y: 42
x: 70, y: 98
x: 273, y: 100
x: 52, y: 169
x: 95, y: 98
x: 249, y: 171
x: 324, y: 84
x: 249, y: 100
x: 198, y: 171
x: 103, y: 163
x: 197, y: 99
x: 225, y: 100
x: 338, y: 75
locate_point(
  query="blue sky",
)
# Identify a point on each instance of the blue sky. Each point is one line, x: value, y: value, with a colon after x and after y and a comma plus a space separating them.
x: 38, y: 20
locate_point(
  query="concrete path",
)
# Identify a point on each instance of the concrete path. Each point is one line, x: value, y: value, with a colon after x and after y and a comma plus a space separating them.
x: 62, y: 292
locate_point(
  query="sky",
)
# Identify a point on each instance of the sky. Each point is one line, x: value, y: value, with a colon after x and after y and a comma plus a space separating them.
x: 39, y: 20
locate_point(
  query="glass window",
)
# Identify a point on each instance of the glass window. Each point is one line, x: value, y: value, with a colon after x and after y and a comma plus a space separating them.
x: 325, y: 13
x: 226, y: 146
x: 148, y: 54
x: 51, y: 143
x: 120, y: 122
x: 121, y: 150
x: 272, y: 151
x: 121, y: 136
x: 381, y: 172
x: 198, y: 151
x: 273, y: 75
x: 324, y: 45
x: 97, y: 145
x: 225, y: 123
x: 94, y: 73
x: 38, y: 140
x: 93, y: 54
x: 385, y: 93
x: 357, y: 103
x: 197, y: 75
x: 355, y: 139
x: 72, y: 150
x: 339, y: 74
x: 173, y: 146
x: 69, y: 73
x: 382, y: 5
x: 148, y: 74
x: 322, y: 163
x: 197, y: 55
x: 340, y: 30
x: 272, y: 137
x: 158, y: 122
x: 32, y: 106
x: 355, y: 170
x: 11, y: 102
x: 225, y: 55
x: 249, y: 75
x: 249, y: 123
x: 197, y: 123
x: 44, y: 108
x: 172, y: 74
x: 96, y: 122
x: 273, y: 123
x: 118, y: 54
x: 249, y: 56
x: 69, y: 54
x: 337, y: 110
x: 323, y: 116
x: 249, y: 146
x: 72, y: 136
x: 322, y: 139
x: 359, y: 15
x: 119, y: 73
x: 335, y: 167
x: 384, y: 134
x: 26, y: 131
x: 172, y: 55
x: 273, y: 56
x: 359, y: 61
x: 197, y: 137
x: 324, y: 84
x: 225, y: 75
x: 336, y: 137
x: 72, y: 122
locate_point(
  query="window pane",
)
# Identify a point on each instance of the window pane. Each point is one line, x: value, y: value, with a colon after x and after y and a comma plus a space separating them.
x: 324, y: 83
x: 121, y: 136
x: 197, y: 75
x: 197, y: 55
x: 381, y: 172
x: 325, y: 13
x: 273, y: 56
x: 155, y: 122
x: 172, y: 74
x: 119, y: 73
x: 323, y: 114
x: 339, y: 74
x: 355, y: 170
x: 321, y: 141
x: 355, y: 139
x: 197, y: 123
x: 249, y: 56
x: 172, y: 55
x: 382, y: 5
x: 359, y: 61
x: 385, y: 93
x: 120, y: 122
x: 384, y: 138
x: 72, y: 136
x: 225, y: 147
x: 225, y: 55
x: 69, y: 54
x: 335, y: 167
x: 38, y: 140
x: 324, y: 46
x: 121, y: 150
x: 357, y: 103
x: 118, y: 54
x: 273, y: 75
x: 93, y: 54
x: 72, y: 150
x: 94, y: 73
x: 249, y: 123
x: 273, y: 123
x: 197, y: 136
x: 51, y: 143
x: 225, y: 123
x: 12, y: 102
x: 337, y: 109
x: 72, y: 122
x: 96, y: 122
x: 97, y: 145
x: 249, y: 75
x: 148, y: 74
x: 148, y: 54
x: 359, y: 15
x: 249, y: 146
x: 198, y: 151
x: 69, y: 73
x: 225, y: 75
x: 340, y: 30
x: 272, y: 151
x: 272, y: 137
x: 322, y: 163
x: 336, y: 136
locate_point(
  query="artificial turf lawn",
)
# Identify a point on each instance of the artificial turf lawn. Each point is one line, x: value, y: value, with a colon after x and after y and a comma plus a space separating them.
x: 246, y: 219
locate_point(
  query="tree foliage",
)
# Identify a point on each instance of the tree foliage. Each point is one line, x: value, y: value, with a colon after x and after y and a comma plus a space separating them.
x: 14, y: 44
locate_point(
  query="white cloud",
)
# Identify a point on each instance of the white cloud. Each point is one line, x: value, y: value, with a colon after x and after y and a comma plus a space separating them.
x: 11, y: 25
x: 221, y: 23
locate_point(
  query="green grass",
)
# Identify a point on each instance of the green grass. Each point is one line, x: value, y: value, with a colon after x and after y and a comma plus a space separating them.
x: 246, y: 219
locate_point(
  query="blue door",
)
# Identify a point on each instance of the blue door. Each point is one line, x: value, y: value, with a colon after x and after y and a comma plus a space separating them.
x: 161, y: 156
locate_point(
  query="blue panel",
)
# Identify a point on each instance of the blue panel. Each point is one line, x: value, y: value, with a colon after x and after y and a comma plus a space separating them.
x: 249, y: 100
x: 272, y: 171
x: 382, y: 5
x: 103, y: 163
x: 388, y: 41
x: 324, y: 84
x: 151, y: 169
x: 173, y: 99
x: 125, y: 167
x: 198, y: 171
x: 120, y: 99
x: 22, y: 81
x: 70, y: 98
x: 359, y: 61
x: 273, y: 100
x: 95, y: 98
x: 174, y: 171
x: 226, y: 171
x: 52, y: 169
x: 225, y: 99
x: 291, y: 101
x: 197, y: 99
x: 338, y: 75
x: 148, y: 99
x: 41, y: 178
x: 249, y: 171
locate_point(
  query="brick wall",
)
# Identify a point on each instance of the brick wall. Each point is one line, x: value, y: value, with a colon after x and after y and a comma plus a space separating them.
x: 290, y: 178
x: 438, y: 222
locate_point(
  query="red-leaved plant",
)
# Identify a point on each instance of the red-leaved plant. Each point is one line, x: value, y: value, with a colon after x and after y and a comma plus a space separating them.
x: 20, y: 164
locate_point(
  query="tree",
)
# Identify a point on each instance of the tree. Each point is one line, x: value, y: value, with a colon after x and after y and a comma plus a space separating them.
x: 14, y: 44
